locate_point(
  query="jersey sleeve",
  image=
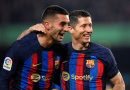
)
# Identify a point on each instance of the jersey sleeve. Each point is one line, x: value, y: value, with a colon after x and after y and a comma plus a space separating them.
x: 111, y: 65
x: 9, y: 67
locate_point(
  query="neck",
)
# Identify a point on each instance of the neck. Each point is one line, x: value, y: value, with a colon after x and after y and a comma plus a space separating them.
x: 44, y: 40
x: 80, y: 46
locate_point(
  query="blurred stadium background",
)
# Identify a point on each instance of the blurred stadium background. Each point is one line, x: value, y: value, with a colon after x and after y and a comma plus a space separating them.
x: 111, y: 24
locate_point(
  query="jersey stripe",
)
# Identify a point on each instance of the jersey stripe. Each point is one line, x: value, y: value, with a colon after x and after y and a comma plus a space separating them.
x: 29, y: 81
x: 100, y: 68
x: 72, y: 70
x: 93, y: 74
x: 62, y: 81
x: 86, y: 73
x: 79, y: 71
x: 50, y: 69
x: 44, y: 68
x: 25, y: 72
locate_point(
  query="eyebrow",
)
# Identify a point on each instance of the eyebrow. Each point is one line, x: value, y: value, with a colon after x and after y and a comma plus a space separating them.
x: 63, y: 23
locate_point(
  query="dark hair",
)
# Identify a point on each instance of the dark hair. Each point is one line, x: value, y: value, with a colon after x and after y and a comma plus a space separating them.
x: 74, y: 15
x: 53, y: 10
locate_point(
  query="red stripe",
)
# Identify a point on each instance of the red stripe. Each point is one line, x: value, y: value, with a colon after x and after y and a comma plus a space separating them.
x: 10, y: 85
x: 63, y: 82
x: 50, y: 69
x: 32, y: 70
x: 100, y: 68
x: 79, y: 71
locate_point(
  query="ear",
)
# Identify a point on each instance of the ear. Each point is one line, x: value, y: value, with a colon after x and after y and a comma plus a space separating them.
x: 46, y: 25
x: 70, y: 28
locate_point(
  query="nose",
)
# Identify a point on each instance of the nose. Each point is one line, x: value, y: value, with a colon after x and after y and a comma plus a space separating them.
x: 65, y: 28
x: 89, y: 29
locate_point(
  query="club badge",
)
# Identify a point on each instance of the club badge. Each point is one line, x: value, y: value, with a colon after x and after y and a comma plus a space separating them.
x: 90, y: 63
x: 57, y: 62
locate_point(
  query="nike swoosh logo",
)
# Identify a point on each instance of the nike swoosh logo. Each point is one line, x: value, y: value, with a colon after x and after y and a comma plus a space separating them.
x: 34, y: 65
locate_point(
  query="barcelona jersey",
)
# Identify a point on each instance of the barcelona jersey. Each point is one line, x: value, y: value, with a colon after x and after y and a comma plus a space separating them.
x: 30, y: 66
x: 87, y: 69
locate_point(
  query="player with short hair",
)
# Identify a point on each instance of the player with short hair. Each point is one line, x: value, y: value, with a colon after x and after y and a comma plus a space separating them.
x: 33, y: 61
x: 89, y: 65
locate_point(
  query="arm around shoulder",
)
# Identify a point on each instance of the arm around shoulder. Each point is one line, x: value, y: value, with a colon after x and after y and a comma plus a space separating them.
x: 37, y: 27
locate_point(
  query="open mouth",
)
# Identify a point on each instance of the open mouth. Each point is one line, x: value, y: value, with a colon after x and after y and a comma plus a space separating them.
x: 61, y: 35
x: 86, y: 35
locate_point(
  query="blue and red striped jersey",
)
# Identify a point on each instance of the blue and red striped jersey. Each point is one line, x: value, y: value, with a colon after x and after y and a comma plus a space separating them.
x: 87, y: 69
x: 31, y: 66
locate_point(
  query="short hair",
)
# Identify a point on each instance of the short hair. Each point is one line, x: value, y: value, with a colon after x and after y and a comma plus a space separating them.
x: 52, y: 11
x: 74, y: 15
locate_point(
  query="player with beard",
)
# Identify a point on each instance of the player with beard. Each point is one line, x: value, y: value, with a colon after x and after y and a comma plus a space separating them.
x: 33, y: 61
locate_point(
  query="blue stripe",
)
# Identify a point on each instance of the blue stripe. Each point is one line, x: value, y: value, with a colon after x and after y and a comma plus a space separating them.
x: 93, y: 73
x: 44, y: 68
x: 72, y: 70
x: 25, y: 71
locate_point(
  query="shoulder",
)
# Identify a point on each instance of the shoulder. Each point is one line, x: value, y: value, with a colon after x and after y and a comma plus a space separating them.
x: 101, y: 52
x: 26, y: 45
x: 58, y: 47
x: 98, y: 48
x: 68, y: 45
x: 28, y: 41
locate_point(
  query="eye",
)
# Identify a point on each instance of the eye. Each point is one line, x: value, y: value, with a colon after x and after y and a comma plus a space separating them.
x: 84, y: 25
x: 90, y: 25
x: 63, y: 23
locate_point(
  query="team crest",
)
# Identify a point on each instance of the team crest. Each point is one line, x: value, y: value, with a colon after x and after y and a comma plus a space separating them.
x: 90, y: 63
x: 57, y: 62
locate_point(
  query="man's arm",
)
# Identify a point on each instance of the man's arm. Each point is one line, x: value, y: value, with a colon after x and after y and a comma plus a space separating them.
x: 9, y: 67
x: 118, y: 82
x: 37, y: 27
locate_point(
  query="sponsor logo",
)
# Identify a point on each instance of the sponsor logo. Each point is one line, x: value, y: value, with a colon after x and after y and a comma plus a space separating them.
x: 36, y: 77
x: 90, y: 63
x: 46, y: 78
x: 34, y: 65
x: 7, y: 63
x: 57, y: 62
x: 65, y: 76
x: 84, y: 77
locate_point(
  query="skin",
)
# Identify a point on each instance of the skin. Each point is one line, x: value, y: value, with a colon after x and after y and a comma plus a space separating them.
x: 57, y: 27
x: 118, y: 82
x: 81, y: 33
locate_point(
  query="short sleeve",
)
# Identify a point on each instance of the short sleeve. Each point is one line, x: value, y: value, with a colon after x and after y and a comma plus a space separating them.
x: 111, y: 68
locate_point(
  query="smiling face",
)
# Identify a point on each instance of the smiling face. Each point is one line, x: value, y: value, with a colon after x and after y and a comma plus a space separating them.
x: 58, y: 27
x: 82, y: 31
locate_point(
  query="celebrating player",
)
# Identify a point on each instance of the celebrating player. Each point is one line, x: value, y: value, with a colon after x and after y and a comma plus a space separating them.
x: 33, y: 61
x: 89, y: 65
